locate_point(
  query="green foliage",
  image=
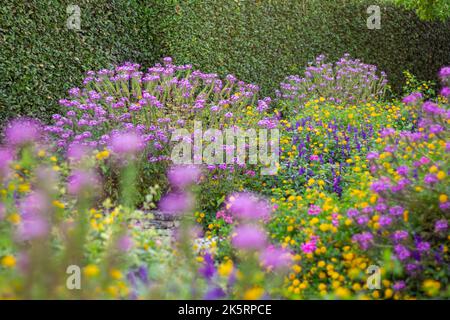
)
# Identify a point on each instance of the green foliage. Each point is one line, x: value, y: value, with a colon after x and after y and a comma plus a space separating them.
x: 40, y: 58
x: 264, y: 41
x: 412, y: 84
x: 427, y: 9
x: 258, y: 41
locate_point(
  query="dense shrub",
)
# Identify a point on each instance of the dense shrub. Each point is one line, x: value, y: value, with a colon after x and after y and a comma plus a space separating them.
x: 346, y: 81
x: 262, y: 42
x: 123, y: 108
x: 259, y: 42
x: 41, y: 58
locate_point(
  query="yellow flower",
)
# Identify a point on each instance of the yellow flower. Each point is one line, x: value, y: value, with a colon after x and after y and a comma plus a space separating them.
x: 102, y: 155
x: 58, y: 204
x: 9, y: 261
x: 254, y: 293
x: 116, y: 274
x: 25, y: 187
x: 297, y: 268
x: 441, y: 175
x: 431, y: 287
x: 41, y: 153
x: 91, y: 270
x: 443, y: 198
x: 14, y: 218
x: 225, y: 268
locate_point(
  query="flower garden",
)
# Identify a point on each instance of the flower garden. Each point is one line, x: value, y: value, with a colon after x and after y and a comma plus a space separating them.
x: 349, y: 201
x: 361, y: 181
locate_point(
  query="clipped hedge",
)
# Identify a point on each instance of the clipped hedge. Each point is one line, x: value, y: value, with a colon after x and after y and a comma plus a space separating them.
x: 263, y: 41
x: 258, y: 41
x: 40, y: 58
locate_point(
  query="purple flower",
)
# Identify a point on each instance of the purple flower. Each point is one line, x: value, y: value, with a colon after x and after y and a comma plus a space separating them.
x: 214, y: 294
x: 401, y: 252
x: 22, y: 131
x: 248, y: 237
x: 441, y: 225
x: 372, y: 155
x: 444, y: 73
x: 403, y: 170
x: 444, y: 206
x: 6, y: 157
x: 183, y: 176
x: 176, y: 203
x: 33, y: 227
x: 445, y: 92
x: 364, y: 239
x: 125, y: 243
x: 431, y: 107
x: 352, y: 213
x: 208, y: 269
x: 380, y: 185
x: 76, y: 151
x: 314, y: 210
x: 423, y: 246
x: 400, y: 235
x: 385, y: 221
x: 275, y: 258
x: 430, y: 179
x: 248, y: 206
x: 396, y: 211
x: 412, y: 98
x: 82, y: 181
x: 33, y: 211
x: 127, y: 143
x: 2, y: 211
x: 309, y: 246
x: 399, y: 285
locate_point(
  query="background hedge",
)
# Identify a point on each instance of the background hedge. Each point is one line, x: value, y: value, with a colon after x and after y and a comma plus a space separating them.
x: 258, y: 41
x: 263, y: 41
x: 40, y: 58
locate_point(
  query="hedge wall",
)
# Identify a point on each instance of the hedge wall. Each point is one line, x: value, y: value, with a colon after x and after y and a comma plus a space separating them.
x: 258, y: 41
x: 263, y: 41
x: 40, y: 58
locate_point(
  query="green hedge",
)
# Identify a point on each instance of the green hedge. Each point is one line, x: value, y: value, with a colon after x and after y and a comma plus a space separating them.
x: 263, y: 41
x: 40, y: 58
x: 258, y: 41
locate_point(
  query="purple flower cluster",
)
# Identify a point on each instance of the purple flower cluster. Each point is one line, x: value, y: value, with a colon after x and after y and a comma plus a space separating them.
x: 346, y: 81
x: 114, y: 102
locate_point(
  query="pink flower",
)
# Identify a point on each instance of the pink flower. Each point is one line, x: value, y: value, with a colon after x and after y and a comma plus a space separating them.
x: 2, y: 211
x: 248, y: 206
x: 125, y: 243
x: 314, y: 210
x: 33, y: 210
x: 248, y: 237
x: 445, y: 92
x: 183, y: 176
x: 444, y: 73
x: 76, y: 151
x: 275, y: 257
x: 6, y: 157
x: 176, y: 203
x: 309, y: 246
x: 126, y: 143
x: 22, y: 131
x: 81, y: 180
